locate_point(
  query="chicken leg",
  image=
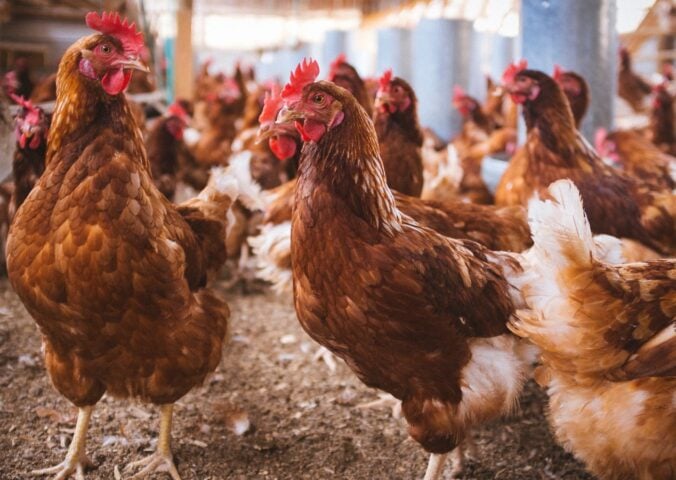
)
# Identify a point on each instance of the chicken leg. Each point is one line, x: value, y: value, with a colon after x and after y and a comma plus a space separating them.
x: 76, y: 460
x: 162, y: 460
x: 384, y: 400
x: 435, y: 467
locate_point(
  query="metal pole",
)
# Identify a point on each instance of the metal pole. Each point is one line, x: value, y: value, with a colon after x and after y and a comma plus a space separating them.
x: 579, y: 35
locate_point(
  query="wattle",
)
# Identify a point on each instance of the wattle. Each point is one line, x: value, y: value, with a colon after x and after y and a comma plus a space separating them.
x: 35, y: 142
x: 310, y: 130
x: 116, y: 81
x: 519, y: 97
x: 284, y: 147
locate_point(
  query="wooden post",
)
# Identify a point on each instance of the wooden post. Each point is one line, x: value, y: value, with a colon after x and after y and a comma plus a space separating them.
x: 183, y: 56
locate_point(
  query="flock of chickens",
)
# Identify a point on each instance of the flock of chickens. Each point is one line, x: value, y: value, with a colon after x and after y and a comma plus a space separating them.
x: 399, y: 258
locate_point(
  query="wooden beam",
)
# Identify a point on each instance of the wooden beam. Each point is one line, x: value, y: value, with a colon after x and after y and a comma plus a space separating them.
x: 183, y: 67
x: 374, y: 19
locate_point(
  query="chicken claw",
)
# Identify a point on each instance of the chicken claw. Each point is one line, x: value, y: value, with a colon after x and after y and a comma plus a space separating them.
x: 155, y: 463
x: 76, y: 460
x: 162, y: 460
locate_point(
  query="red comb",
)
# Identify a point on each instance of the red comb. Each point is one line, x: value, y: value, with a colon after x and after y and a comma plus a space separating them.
x: 177, y: 110
x: 512, y: 70
x: 558, y: 72
x: 271, y: 105
x: 458, y: 93
x: 111, y: 24
x: 337, y: 62
x: 385, y: 79
x: 23, y: 102
x: 306, y: 73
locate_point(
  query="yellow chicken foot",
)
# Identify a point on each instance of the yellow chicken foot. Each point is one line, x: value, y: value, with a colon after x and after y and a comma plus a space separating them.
x: 76, y: 460
x: 435, y: 467
x: 162, y: 460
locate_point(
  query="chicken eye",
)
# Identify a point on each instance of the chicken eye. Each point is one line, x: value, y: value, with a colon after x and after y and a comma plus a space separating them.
x: 318, y: 98
x: 106, y: 49
x: 397, y: 89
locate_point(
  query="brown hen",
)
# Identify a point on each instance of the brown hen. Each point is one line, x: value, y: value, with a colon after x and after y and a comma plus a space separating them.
x: 626, y: 150
x: 616, y: 204
x: 397, y: 301
x: 630, y: 86
x: 32, y: 128
x: 399, y: 134
x: 608, y: 340
x: 110, y: 270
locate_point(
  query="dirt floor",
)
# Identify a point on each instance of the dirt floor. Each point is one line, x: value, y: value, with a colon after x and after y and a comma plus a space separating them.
x: 304, y: 420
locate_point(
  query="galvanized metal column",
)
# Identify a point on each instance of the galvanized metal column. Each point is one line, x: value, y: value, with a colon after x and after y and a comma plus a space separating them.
x: 394, y: 51
x: 502, y: 54
x: 442, y: 59
x: 579, y: 35
x: 335, y: 43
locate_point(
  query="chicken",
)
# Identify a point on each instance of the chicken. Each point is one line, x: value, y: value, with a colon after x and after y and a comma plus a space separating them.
x: 216, y: 116
x: 411, y: 312
x: 478, y: 124
x: 626, y: 150
x: 480, y: 136
x: 638, y: 157
x: 345, y: 75
x: 616, y: 204
x: 630, y: 86
x: 662, y: 120
x: 113, y: 274
x: 18, y: 80
x: 608, y: 340
x: 206, y: 83
x: 577, y: 92
x: 165, y: 148
x: 32, y: 128
x: 399, y: 134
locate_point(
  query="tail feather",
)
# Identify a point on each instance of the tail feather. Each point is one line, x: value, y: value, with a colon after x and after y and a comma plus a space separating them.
x: 560, y: 227
x: 208, y: 215
x: 250, y: 192
x: 272, y: 248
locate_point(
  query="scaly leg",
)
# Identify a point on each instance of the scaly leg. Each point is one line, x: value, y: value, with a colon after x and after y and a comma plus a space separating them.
x: 162, y: 460
x: 435, y: 467
x: 76, y: 460
x: 385, y: 400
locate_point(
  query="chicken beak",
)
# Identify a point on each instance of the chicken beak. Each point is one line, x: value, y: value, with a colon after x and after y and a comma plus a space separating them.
x: 270, y: 129
x: 264, y: 132
x: 383, y: 98
x: 287, y: 115
x: 134, y: 64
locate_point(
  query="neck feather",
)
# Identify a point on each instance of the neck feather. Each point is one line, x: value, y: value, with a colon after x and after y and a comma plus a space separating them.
x: 347, y: 161
x: 83, y: 111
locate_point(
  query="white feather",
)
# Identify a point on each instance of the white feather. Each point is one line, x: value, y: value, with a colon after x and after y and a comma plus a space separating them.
x: 249, y: 189
x: 272, y: 248
x: 560, y: 227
